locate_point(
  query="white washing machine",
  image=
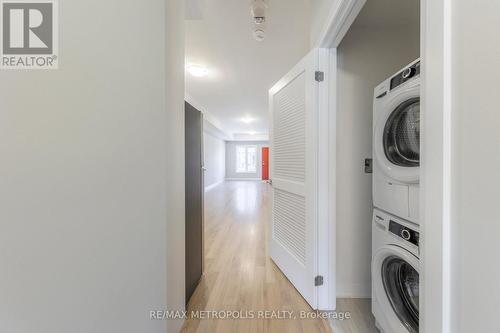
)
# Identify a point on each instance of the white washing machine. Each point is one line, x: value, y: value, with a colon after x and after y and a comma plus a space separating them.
x: 396, y: 143
x: 395, y: 274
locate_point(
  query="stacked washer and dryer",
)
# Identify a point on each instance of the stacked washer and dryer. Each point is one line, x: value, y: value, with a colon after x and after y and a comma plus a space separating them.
x: 395, y: 227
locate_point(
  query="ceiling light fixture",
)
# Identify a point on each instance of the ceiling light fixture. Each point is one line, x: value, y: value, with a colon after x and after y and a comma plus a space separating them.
x: 247, y: 120
x: 252, y: 133
x: 197, y: 70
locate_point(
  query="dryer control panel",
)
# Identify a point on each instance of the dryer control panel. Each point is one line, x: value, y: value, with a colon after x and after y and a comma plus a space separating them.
x: 405, y: 75
x: 401, y: 231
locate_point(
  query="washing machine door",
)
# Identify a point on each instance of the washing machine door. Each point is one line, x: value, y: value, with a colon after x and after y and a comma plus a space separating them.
x: 396, y: 283
x: 397, y: 136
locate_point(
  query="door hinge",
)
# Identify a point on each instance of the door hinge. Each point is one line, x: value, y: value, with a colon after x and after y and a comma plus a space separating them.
x: 368, y: 165
x: 319, y: 76
x: 318, y: 281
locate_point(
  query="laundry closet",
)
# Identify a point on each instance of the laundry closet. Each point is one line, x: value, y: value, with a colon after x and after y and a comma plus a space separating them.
x: 381, y: 46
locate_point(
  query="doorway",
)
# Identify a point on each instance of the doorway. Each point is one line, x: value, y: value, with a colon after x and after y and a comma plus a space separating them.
x: 376, y: 41
x: 265, y: 163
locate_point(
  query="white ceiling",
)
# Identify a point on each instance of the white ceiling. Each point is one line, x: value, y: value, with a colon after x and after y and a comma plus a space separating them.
x: 241, y: 70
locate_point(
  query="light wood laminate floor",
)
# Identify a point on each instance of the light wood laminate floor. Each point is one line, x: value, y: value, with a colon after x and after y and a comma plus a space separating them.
x: 239, y: 275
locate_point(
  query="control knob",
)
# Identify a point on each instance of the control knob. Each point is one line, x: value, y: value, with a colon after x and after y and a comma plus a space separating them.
x: 409, y: 72
x: 405, y: 234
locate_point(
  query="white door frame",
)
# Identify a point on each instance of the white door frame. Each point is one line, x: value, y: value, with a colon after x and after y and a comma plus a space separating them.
x: 436, y: 150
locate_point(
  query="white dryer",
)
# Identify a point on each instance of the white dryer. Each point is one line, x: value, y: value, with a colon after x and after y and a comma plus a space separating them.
x: 395, y: 274
x: 396, y: 143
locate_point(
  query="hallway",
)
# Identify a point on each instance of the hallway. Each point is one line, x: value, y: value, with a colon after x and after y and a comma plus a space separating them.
x: 239, y: 275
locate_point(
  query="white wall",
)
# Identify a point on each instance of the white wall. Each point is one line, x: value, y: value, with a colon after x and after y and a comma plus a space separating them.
x: 175, y: 149
x: 214, y: 150
x: 366, y: 57
x: 475, y: 178
x: 231, y: 159
x: 86, y: 174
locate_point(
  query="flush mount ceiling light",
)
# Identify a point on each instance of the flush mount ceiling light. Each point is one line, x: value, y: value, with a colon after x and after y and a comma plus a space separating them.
x: 247, y: 120
x: 197, y: 70
x: 252, y: 132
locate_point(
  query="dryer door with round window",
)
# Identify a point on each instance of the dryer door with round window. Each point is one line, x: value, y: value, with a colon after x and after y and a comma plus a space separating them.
x: 401, y: 138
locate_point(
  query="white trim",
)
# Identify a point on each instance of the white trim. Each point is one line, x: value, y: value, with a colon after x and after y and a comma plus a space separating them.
x: 332, y: 177
x: 211, y: 187
x: 327, y: 298
x: 340, y: 19
x: 435, y: 187
x: 341, y: 16
x: 239, y: 179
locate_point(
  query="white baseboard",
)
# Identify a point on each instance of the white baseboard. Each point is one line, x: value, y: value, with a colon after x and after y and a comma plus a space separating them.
x: 252, y: 179
x: 211, y: 187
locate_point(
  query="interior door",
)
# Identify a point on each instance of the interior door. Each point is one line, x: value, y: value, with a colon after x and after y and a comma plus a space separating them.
x: 265, y: 163
x: 295, y: 116
x: 194, y: 198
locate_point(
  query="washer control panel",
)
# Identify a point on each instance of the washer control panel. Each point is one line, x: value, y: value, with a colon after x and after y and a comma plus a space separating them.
x: 403, y: 232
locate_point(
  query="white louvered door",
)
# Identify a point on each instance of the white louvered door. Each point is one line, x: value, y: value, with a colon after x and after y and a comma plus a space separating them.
x: 294, y: 125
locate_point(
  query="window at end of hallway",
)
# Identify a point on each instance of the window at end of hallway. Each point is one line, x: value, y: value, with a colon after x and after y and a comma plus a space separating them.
x: 246, y: 159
